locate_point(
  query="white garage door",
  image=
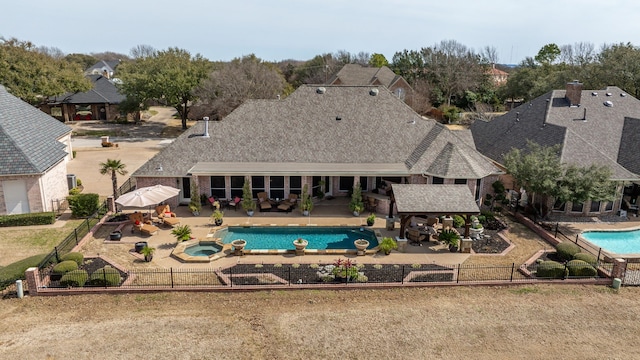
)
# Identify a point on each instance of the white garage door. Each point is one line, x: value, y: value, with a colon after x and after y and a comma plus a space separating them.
x: 15, y: 196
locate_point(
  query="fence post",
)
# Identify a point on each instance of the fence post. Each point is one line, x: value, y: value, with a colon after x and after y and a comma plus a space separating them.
x: 88, y: 225
x: 75, y: 233
x: 171, y: 272
x: 104, y: 275
x: 458, y: 277
x: 577, y: 238
x: 55, y: 248
x: 556, y: 234
x: 231, y: 277
x: 402, y: 279
x: 289, y: 276
x: 513, y: 267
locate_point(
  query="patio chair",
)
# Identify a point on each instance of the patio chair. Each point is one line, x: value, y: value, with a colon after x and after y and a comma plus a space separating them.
x: 371, y: 204
x: 234, y: 203
x: 289, y: 203
x: 141, y: 224
x: 264, y: 202
x: 415, y: 237
x: 167, y: 216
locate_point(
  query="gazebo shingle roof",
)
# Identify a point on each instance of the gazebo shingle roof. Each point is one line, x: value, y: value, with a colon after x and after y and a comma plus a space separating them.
x: 434, y: 199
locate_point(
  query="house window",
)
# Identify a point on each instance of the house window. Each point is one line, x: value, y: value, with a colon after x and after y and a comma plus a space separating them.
x: 609, y: 206
x: 478, y: 187
x: 559, y: 205
x: 364, y: 182
x: 257, y: 185
x: 595, y: 206
x: 437, y: 180
x: 460, y: 181
x: 237, y: 182
x: 577, y: 207
x: 346, y: 183
x: 276, y: 187
x: 295, y: 185
x: 218, y: 187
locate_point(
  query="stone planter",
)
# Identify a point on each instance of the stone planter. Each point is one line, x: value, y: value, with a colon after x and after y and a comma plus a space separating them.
x: 238, y: 246
x: 361, y: 246
x: 300, y: 245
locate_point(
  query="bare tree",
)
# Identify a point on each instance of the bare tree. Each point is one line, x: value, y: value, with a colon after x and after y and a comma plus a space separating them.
x: 489, y: 55
x: 142, y: 51
x: 54, y: 52
x: 234, y: 83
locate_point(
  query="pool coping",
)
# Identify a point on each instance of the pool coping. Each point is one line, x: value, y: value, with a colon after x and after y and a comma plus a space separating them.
x: 609, y: 256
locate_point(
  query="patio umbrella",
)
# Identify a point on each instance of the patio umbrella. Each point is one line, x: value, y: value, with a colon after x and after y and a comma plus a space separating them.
x: 147, y: 196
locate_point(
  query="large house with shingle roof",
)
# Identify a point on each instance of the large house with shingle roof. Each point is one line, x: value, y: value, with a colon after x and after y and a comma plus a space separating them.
x: 355, y: 74
x: 593, y: 127
x: 33, y: 167
x: 328, y: 137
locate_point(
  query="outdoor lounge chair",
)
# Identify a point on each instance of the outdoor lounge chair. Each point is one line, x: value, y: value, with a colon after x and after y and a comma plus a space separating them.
x: 166, y: 216
x: 289, y: 203
x: 234, y: 203
x: 264, y: 202
x: 415, y: 237
x: 141, y: 224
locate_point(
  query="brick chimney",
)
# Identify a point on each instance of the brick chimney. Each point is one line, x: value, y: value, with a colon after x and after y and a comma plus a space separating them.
x: 574, y: 92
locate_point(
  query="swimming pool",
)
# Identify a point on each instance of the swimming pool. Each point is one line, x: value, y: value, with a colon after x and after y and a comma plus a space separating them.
x: 618, y: 242
x: 282, y: 237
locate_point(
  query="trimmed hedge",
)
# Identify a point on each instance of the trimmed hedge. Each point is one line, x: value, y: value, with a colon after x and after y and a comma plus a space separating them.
x: 75, y: 278
x: 64, y: 267
x: 75, y: 256
x: 83, y: 205
x: 106, y: 276
x: 581, y: 268
x: 588, y: 258
x: 44, y: 218
x: 550, y: 269
x: 15, y: 271
x: 566, y: 250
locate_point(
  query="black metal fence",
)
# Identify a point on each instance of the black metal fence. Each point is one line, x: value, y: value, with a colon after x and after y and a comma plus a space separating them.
x: 269, y: 275
x: 66, y: 245
x: 128, y: 186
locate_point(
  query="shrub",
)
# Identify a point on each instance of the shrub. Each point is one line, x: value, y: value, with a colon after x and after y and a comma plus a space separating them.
x: 106, y: 276
x: 387, y: 245
x: 74, y: 191
x: 44, y: 218
x: 75, y: 256
x: 458, y: 221
x: 64, y: 267
x: 581, y: 268
x: 566, y: 250
x: 588, y: 258
x: 550, y: 269
x: 75, y: 278
x: 83, y: 205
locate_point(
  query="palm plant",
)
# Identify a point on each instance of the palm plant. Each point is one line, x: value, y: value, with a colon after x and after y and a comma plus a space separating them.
x: 181, y: 232
x: 113, y: 167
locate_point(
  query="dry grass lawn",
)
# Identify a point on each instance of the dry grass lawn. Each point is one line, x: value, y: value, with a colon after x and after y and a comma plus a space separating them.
x: 523, y: 322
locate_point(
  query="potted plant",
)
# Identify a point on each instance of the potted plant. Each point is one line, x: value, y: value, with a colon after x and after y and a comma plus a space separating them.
x: 387, y: 245
x: 356, y: 204
x: 181, y: 232
x: 194, y: 204
x: 247, y: 199
x: 306, y: 203
x: 450, y: 237
x: 217, y: 217
x: 371, y: 219
x: 148, y: 253
x: 300, y: 245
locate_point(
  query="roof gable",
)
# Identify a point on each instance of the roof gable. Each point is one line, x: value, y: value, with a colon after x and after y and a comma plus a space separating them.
x: 104, y: 91
x: 29, y: 136
x: 356, y: 74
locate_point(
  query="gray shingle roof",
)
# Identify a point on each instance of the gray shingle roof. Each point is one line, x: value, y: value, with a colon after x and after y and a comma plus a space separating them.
x: 434, y: 199
x: 102, y: 65
x: 343, y: 125
x: 598, y: 140
x: 355, y: 74
x: 103, y: 91
x: 28, y: 137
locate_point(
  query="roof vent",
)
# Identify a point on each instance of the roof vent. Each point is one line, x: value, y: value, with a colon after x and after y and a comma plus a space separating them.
x: 321, y: 90
x: 608, y: 103
x: 159, y: 168
x: 373, y: 92
x: 338, y: 118
x: 623, y: 94
x: 594, y: 94
x: 608, y: 94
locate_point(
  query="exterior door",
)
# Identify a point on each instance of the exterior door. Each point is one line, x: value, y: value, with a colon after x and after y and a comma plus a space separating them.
x: 15, y: 196
x: 185, y: 186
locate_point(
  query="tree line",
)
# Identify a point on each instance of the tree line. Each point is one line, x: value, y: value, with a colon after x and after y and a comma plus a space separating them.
x: 447, y: 75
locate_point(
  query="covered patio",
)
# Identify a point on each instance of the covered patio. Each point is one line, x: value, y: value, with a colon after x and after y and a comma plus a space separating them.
x: 424, y: 200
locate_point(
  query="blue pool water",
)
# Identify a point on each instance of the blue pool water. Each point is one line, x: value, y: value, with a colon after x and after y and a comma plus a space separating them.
x: 619, y: 242
x: 202, y: 249
x: 282, y: 237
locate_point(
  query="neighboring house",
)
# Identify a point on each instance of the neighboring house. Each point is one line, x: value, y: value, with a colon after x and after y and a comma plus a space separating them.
x: 104, y: 68
x: 99, y: 103
x: 355, y: 74
x: 33, y: 167
x: 599, y: 127
x: 328, y: 137
x: 498, y: 76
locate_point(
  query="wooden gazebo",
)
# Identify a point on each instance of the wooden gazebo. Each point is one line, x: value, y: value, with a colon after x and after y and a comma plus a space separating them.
x: 427, y: 199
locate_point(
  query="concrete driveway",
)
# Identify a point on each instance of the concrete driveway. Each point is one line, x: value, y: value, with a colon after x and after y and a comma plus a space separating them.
x: 136, y: 145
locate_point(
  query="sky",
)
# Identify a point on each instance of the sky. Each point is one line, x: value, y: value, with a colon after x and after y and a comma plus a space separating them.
x: 301, y: 29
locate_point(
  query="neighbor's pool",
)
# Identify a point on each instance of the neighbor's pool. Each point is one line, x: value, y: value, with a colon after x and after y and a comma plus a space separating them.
x: 618, y: 242
x: 282, y: 237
